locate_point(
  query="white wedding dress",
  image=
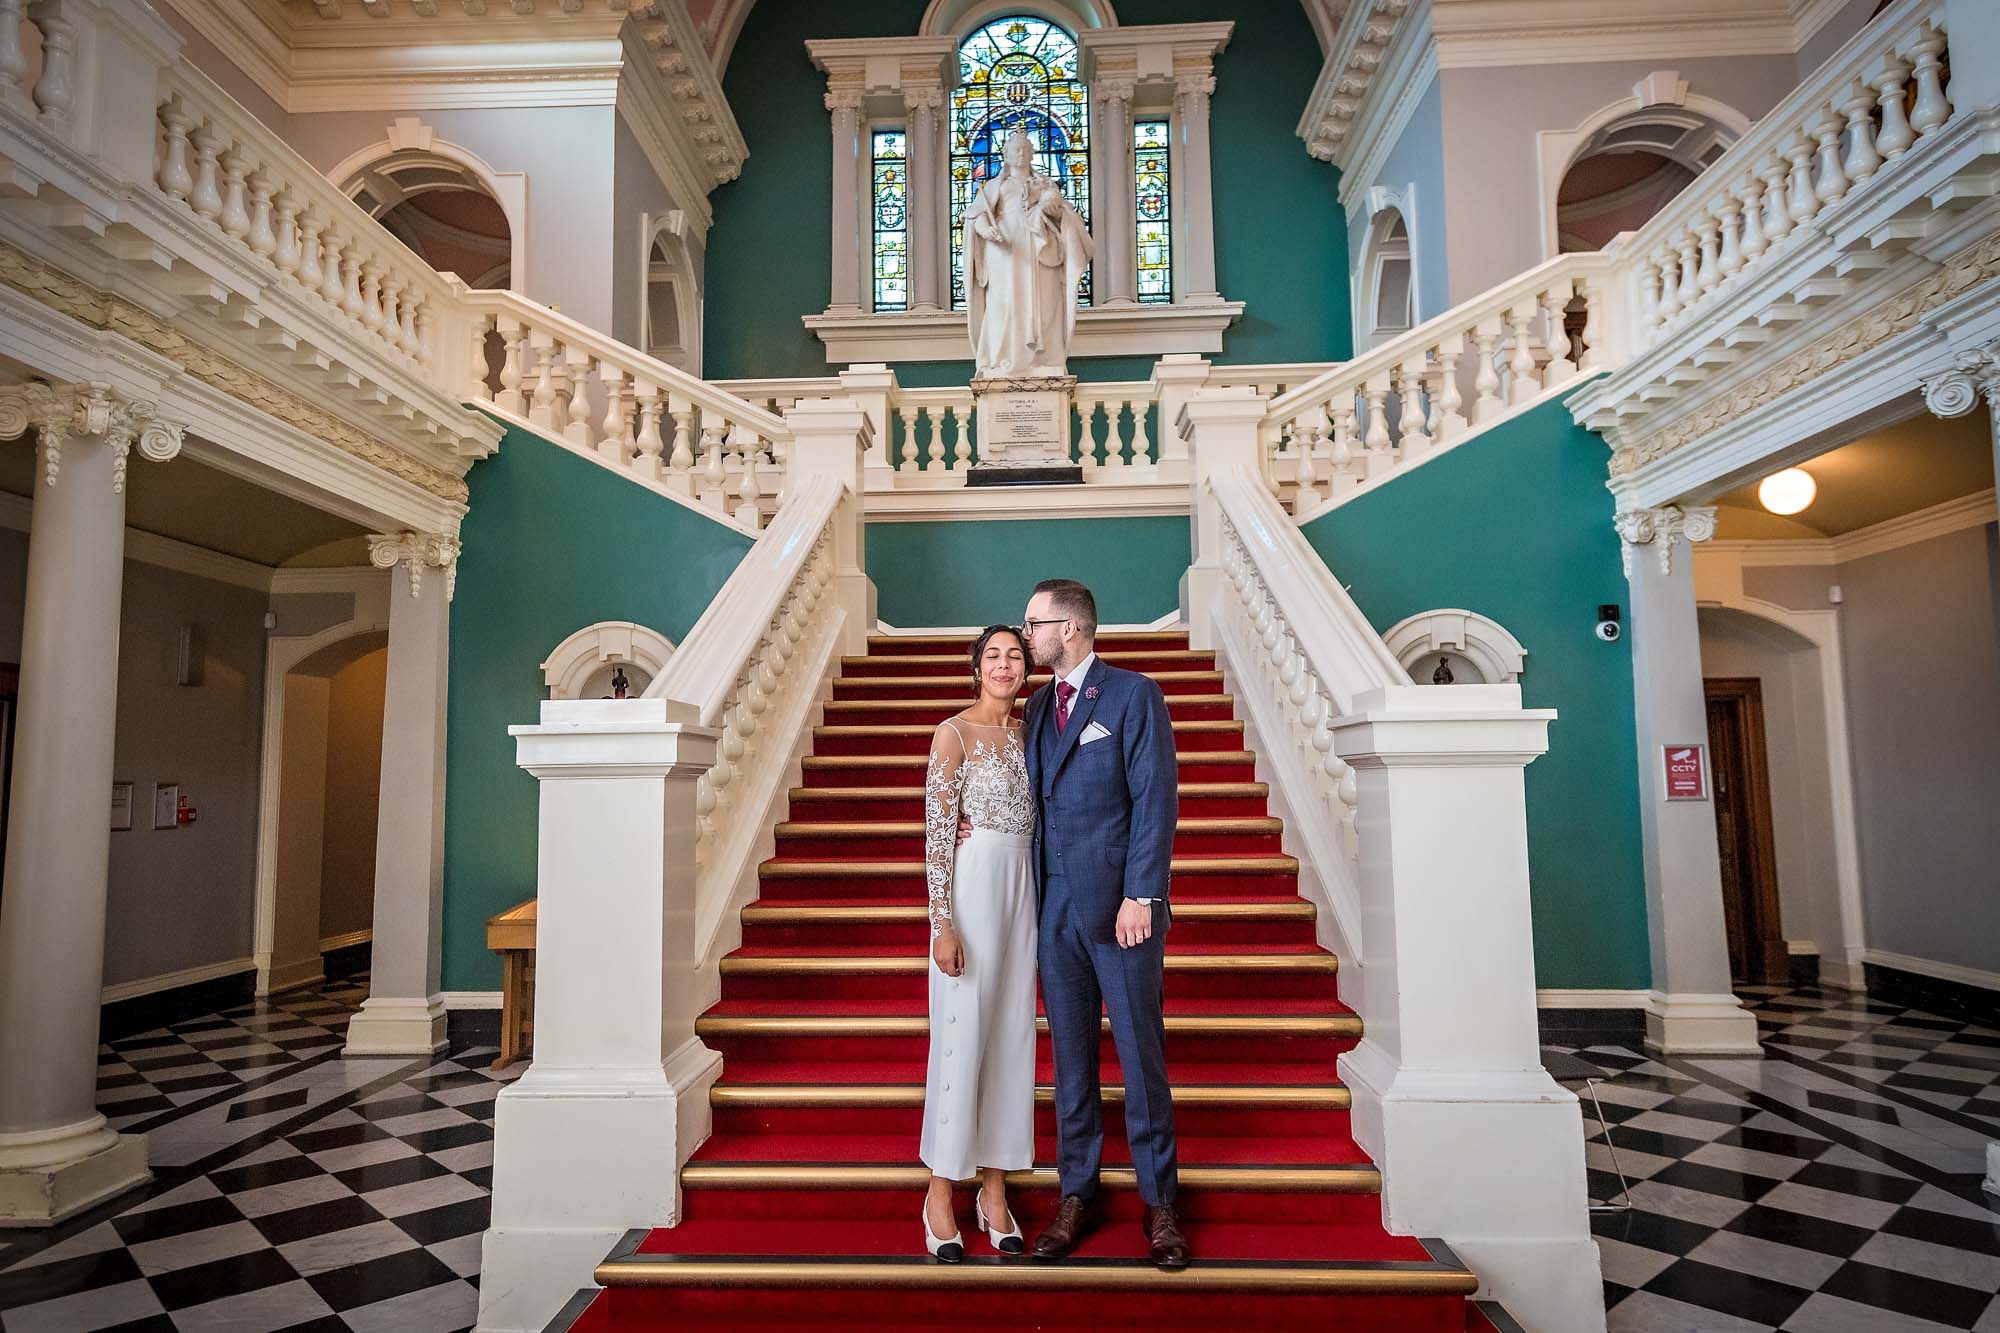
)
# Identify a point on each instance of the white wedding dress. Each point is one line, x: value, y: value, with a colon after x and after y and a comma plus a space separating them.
x: 979, y: 1092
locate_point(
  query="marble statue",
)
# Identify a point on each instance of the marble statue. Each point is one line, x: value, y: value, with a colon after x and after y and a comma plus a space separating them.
x: 1025, y: 250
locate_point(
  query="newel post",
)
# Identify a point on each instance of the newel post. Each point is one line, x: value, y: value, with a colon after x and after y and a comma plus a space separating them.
x: 589, y: 1142
x: 1475, y: 1141
x: 1220, y: 428
x: 831, y: 437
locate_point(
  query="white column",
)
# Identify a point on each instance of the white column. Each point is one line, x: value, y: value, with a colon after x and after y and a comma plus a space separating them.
x: 1975, y: 374
x: 1474, y: 1139
x: 1194, y: 228
x: 930, y: 259
x: 404, y: 1011
x: 57, y: 1154
x: 589, y: 1141
x: 1219, y: 427
x: 848, y: 164
x: 1117, y: 274
x: 832, y: 437
x: 1691, y: 1008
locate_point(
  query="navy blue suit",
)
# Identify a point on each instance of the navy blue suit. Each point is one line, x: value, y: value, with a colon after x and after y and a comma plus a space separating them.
x: 1104, y: 832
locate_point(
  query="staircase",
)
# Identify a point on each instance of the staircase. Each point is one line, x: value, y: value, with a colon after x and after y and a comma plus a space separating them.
x: 803, y: 1205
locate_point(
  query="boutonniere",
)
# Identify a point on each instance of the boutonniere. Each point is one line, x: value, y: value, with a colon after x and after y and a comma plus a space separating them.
x: 1091, y: 693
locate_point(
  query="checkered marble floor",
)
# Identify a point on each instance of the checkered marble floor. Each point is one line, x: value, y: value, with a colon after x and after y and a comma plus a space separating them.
x: 294, y: 1189
x: 1832, y: 1187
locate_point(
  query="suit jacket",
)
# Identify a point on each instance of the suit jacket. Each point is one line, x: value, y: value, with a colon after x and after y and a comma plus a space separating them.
x: 1105, y: 811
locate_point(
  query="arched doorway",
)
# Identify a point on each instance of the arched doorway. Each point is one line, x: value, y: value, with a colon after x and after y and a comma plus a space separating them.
x: 451, y: 209
x: 1388, y: 280
x: 670, y: 306
x: 1624, y: 164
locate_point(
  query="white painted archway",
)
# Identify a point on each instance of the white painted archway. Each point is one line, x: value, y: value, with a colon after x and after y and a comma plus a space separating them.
x: 1479, y: 640
x: 569, y: 669
x: 408, y: 134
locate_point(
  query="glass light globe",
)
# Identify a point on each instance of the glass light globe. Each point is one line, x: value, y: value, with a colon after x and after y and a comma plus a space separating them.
x: 1787, y: 492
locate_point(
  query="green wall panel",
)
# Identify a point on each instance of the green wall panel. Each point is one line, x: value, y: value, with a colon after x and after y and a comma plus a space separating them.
x: 982, y: 572
x: 1434, y: 538
x: 1280, y: 230
x: 553, y: 542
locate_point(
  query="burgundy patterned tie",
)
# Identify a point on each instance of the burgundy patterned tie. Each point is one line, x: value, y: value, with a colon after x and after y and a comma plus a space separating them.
x: 1063, y: 692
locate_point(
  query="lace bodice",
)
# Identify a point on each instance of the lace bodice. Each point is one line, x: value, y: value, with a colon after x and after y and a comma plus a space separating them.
x: 982, y: 772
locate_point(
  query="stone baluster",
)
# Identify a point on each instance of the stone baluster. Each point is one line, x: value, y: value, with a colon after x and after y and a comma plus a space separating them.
x: 1708, y: 276
x: 649, y: 441
x: 512, y: 340
x: 909, y: 416
x: 1863, y: 158
x: 407, y: 337
x: 1306, y: 431
x: 615, y: 431
x: 1345, y: 471
x: 1832, y: 182
x: 1689, y: 290
x: 961, y: 448
x: 261, y: 236
x: 1487, y: 402
x: 234, y: 217
x: 1754, y: 241
x: 427, y: 343
x: 1114, y: 443
x: 1522, y: 384
x: 14, y: 58
x: 1896, y: 134
x: 1802, y: 200
x: 542, y: 398
x: 330, y: 288
x: 680, y: 462
x: 352, y: 302
x: 1669, y: 303
x: 1778, y: 221
x: 1555, y: 311
x: 1449, y: 397
x: 1730, y: 261
x: 713, y: 472
x: 1142, y: 444
x: 576, y: 371
x: 932, y: 443
x: 310, y: 273
x: 1416, y: 434
x: 371, y: 295
x: 1593, y: 326
x: 205, y: 196
x: 174, y: 178
x: 285, y: 250
x: 750, y: 450
x: 1932, y: 108
x: 1375, y: 440
x: 55, y: 91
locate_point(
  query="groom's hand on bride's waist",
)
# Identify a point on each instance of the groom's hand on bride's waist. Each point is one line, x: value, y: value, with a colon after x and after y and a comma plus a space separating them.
x: 964, y: 829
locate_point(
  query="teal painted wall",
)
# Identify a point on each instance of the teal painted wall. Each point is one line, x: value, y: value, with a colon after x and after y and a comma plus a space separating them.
x: 553, y: 542
x: 1280, y: 231
x: 982, y: 572
x: 1434, y: 539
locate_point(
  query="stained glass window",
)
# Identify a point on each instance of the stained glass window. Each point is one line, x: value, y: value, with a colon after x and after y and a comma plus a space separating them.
x: 892, y: 220
x: 1017, y: 73
x: 1152, y: 212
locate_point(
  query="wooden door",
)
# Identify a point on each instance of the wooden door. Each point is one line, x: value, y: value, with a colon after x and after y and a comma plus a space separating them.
x: 1742, y: 799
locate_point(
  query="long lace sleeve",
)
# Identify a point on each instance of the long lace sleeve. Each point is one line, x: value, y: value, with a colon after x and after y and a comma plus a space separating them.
x: 943, y: 782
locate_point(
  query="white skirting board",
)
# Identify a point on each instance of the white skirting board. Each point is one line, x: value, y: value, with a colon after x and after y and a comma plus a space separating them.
x: 187, y: 976
x: 1925, y: 967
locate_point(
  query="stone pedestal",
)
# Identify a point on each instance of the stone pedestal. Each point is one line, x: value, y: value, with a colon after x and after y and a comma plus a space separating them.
x: 1024, y: 436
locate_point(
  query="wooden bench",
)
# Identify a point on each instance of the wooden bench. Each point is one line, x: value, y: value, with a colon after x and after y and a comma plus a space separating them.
x: 511, y: 934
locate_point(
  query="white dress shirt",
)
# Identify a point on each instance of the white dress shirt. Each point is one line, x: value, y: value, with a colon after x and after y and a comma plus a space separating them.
x: 1075, y: 679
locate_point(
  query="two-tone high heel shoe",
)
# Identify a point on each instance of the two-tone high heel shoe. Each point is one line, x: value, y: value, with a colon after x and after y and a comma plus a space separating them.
x: 944, y: 1251
x: 1006, y: 1242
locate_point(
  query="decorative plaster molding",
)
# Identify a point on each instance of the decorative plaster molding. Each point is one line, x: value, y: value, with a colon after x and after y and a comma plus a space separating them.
x: 1892, y: 534
x: 1663, y: 529
x: 1366, y: 33
x: 577, y: 657
x: 60, y: 412
x: 1491, y: 33
x: 1483, y: 640
x: 416, y: 551
x: 100, y: 310
x: 1139, y: 330
x: 1968, y: 268
x: 1975, y: 374
x: 692, y: 87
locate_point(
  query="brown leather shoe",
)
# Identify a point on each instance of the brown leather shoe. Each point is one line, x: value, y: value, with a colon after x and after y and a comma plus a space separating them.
x: 1163, y: 1232
x: 1065, y: 1229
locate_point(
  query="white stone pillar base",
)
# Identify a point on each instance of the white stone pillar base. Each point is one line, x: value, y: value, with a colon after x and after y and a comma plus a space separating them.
x: 393, y: 1026
x: 49, y: 1175
x: 1493, y: 1162
x: 571, y: 1149
x: 1680, y: 1024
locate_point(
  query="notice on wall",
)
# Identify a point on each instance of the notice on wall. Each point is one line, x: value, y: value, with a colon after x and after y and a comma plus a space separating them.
x: 1687, y: 772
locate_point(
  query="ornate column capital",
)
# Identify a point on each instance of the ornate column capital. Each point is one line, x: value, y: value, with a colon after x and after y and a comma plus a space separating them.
x: 1663, y: 529
x: 1119, y: 91
x: 417, y: 551
x: 1192, y: 91
x: 61, y: 412
x: 844, y: 103
x: 1975, y: 374
x: 929, y: 96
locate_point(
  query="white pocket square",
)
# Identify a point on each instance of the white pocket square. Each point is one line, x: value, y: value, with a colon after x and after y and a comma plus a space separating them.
x: 1096, y: 731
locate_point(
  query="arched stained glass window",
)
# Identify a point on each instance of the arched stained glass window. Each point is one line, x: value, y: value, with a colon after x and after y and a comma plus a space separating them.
x: 1017, y: 73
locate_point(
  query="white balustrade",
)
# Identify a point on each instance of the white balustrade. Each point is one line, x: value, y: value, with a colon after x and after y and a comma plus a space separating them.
x: 653, y: 420
x: 229, y: 169
x: 1866, y: 107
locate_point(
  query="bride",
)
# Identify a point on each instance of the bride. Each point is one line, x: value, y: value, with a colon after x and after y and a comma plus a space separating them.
x: 979, y: 1093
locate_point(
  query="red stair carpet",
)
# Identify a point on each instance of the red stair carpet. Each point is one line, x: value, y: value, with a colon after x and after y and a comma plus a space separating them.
x: 803, y: 1208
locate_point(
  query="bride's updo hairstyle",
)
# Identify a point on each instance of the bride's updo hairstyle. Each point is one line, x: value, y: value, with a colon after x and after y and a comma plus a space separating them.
x: 986, y: 637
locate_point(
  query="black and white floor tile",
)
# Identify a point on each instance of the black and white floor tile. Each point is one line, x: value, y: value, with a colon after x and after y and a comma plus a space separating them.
x: 1832, y: 1187
x: 294, y: 1188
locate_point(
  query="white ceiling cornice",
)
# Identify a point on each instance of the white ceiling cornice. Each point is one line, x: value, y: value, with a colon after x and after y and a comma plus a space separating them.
x: 1366, y: 32
x: 1485, y: 33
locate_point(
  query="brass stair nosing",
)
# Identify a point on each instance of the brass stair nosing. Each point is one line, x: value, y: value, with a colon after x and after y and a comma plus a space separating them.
x: 1352, y: 1178
x: 872, y: 868
x: 1322, y: 1278
x: 1296, y: 1097
x: 1188, y: 791
x: 844, y: 731
x: 781, y: 914
x: 921, y: 760
x: 896, y: 964
x: 918, y: 1025
x: 1213, y: 825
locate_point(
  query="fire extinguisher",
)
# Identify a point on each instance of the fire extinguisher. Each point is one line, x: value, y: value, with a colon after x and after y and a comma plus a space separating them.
x: 184, y: 814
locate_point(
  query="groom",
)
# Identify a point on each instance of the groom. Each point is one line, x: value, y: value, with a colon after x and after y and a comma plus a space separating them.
x: 1100, y: 751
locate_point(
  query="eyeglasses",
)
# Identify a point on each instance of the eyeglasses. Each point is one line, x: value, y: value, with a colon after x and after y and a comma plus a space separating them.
x: 1032, y: 625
